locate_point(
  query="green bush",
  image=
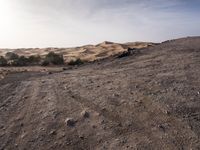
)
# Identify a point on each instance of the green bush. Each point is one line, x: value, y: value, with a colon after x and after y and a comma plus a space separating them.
x: 11, y: 56
x: 76, y: 62
x: 34, y: 60
x: 53, y: 58
x: 15, y: 60
x: 45, y: 63
x: 21, y: 61
x: 3, y: 61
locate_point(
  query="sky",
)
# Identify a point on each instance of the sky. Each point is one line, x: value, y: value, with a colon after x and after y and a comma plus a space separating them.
x: 68, y: 23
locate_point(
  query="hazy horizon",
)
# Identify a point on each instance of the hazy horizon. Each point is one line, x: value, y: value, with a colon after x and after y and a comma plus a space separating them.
x: 68, y: 23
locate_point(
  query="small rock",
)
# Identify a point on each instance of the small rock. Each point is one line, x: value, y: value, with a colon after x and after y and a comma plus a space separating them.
x: 116, y: 95
x: 81, y: 137
x: 103, y: 109
x: 1, y: 126
x: 70, y: 122
x: 167, y: 112
x: 1, y: 76
x: 119, y: 125
x: 25, y: 97
x: 85, y: 114
x: 42, y: 129
x: 64, y: 69
x: 50, y: 73
x: 161, y: 127
x: 102, y: 121
x: 52, y: 132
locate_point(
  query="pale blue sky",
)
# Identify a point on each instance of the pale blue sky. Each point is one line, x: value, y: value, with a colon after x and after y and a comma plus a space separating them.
x: 65, y: 23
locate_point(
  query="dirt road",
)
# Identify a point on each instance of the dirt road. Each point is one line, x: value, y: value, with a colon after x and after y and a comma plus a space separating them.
x: 146, y: 101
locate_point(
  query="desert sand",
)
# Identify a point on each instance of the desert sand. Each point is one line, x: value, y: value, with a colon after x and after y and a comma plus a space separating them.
x: 87, y: 52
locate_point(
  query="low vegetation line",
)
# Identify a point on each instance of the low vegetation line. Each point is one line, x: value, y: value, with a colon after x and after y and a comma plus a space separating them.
x: 12, y: 59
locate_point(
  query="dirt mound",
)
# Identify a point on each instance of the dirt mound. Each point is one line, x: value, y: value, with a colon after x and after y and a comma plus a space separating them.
x: 144, y: 101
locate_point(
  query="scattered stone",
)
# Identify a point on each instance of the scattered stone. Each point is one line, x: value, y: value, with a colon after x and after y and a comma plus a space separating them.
x: 103, y: 109
x: 161, y: 127
x: 102, y: 121
x: 1, y: 126
x: 116, y: 95
x: 23, y: 135
x: 1, y: 76
x: 94, y: 126
x: 25, y: 97
x: 124, y: 141
x: 42, y: 129
x: 81, y: 137
x: 85, y: 114
x: 70, y: 122
x: 119, y: 125
x: 52, y: 132
x: 167, y: 112
x: 64, y: 69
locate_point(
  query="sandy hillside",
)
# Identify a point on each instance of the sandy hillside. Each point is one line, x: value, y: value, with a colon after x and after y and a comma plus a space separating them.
x: 146, y: 101
x: 88, y: 52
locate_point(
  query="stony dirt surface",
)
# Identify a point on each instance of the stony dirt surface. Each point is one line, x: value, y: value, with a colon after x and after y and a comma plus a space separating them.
x: 5, y: 71
x: 146, y: 101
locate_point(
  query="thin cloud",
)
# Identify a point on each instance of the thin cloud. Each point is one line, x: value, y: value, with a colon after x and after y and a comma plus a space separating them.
x: 65, y: 23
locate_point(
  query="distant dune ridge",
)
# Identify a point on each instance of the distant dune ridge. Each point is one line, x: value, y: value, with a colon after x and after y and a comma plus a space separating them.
x: 87, y: 52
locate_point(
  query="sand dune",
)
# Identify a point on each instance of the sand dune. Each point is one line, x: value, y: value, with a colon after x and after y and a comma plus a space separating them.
x: 87, y: 52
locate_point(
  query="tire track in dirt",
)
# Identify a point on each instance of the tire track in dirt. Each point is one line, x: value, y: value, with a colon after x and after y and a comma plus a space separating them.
x: 12, y: 109
x: 163, y: 129
x: 35, y: 101
x: 39, y: 112
x: 140, y: 128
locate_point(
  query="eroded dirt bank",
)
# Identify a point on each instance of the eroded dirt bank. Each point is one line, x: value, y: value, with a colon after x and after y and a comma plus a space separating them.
x: 146, y: 101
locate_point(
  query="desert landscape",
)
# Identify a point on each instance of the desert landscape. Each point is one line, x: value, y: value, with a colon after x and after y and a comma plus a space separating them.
x: 144, y: 99
x: 86, y: 53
